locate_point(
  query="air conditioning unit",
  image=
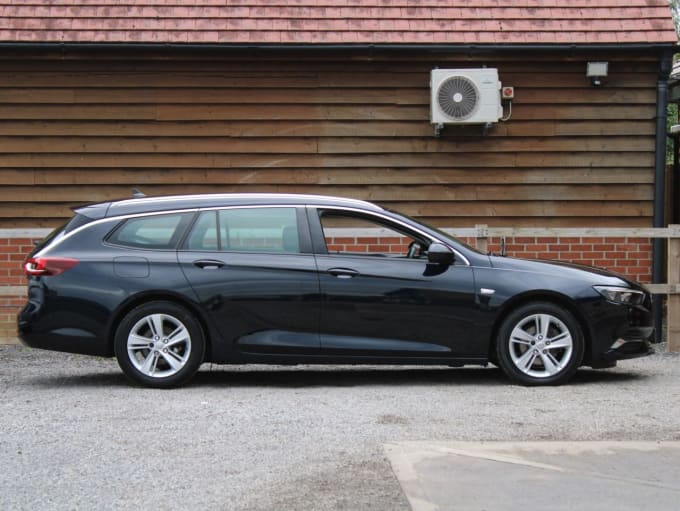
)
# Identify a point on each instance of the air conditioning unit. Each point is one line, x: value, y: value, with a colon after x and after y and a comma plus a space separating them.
x: 465, y: 96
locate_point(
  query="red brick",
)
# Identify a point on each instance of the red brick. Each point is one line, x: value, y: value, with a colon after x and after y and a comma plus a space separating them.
x: 343, y: 241
x: 389, y: 240
x: 535, y: 247
x: 592, y: 255
x: 580, y: 247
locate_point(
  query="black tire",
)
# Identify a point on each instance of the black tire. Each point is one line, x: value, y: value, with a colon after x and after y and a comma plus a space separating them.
x: 540, y: 344
x: 159, y: 344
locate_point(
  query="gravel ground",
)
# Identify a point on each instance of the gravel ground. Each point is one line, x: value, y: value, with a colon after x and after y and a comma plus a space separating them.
x: 75, y: 435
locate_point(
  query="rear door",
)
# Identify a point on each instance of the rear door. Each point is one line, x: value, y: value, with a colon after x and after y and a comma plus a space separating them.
x: 253, y: 271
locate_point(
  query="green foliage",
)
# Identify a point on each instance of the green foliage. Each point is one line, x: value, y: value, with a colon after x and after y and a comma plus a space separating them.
x: 675, y: 10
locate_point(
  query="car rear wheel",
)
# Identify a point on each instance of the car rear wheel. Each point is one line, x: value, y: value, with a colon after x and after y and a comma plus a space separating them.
x: 159, y: 344
x: 540, y: 344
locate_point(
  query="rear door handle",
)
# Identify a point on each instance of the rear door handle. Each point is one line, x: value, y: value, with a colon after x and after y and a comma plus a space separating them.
x: 208, y: 264
x: 343, y: 273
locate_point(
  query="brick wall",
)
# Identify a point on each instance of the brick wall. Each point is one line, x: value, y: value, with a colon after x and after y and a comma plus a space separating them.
x: 12, y: 283
x: 629, y: 256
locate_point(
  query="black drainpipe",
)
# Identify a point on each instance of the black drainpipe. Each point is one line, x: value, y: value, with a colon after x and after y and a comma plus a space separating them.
x: 659, y: 245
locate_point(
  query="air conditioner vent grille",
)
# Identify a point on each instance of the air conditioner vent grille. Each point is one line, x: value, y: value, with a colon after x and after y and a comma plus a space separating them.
x: 458, y: 97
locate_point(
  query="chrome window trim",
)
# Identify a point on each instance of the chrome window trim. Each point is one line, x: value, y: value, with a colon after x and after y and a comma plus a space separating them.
x: 366, y: 212
x: 119, y: 219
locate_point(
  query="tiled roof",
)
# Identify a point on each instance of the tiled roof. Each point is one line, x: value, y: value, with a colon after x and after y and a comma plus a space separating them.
x: 338, y: 21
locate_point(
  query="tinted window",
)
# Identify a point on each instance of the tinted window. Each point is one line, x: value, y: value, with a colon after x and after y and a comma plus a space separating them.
x: 158, y: 231
x: 203, y: 235
x: 259, y: 230
x: 358, y: 235
x: 247, y: 230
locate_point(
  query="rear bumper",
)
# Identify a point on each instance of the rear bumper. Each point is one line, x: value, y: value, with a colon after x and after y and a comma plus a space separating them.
x: 60, y: 329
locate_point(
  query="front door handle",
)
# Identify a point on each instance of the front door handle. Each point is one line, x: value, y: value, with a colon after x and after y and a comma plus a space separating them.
x: 208, y: 264
x: 343, y: 273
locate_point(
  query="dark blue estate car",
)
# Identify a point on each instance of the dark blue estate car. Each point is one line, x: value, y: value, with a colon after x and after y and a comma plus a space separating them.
x: 168, y: 283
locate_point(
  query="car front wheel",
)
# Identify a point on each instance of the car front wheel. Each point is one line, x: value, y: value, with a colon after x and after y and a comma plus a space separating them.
x: 159, y: 344
x: 540, y: 344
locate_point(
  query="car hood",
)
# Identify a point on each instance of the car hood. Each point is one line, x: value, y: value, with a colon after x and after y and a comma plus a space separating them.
x: 563, y: 269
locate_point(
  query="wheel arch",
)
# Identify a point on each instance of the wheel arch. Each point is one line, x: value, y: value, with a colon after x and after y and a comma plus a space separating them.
x: 544, y: 296
x: 160, y: 296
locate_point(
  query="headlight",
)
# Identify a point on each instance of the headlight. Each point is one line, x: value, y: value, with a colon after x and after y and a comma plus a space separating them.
x: 622, y: 295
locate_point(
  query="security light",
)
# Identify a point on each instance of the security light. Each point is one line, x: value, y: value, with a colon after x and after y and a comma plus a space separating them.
x: 596, y: 71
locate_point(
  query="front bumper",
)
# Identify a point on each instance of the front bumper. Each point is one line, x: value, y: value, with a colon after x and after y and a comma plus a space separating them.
x: 621, y: 333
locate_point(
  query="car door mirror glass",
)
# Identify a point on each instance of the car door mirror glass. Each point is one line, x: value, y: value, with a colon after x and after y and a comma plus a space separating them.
x: 438, y: 253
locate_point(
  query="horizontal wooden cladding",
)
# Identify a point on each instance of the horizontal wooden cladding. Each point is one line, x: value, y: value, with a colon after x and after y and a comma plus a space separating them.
x: 406, y: 96
x: 267, y: 112
x: 295, y: 80
x: 74, y: 130
x: 58, y: 216
x: 330, y: 177
x: 351, y: 145
x: 462, y: 209
x: 376, y: 193
x: 285, y: 128
x: 468, y: 159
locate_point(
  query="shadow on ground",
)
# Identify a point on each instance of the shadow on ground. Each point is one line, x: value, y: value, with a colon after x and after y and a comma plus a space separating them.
x: 225, y: 376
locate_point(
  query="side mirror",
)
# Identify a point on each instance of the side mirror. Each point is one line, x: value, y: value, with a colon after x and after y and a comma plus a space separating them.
x: 439, y: 253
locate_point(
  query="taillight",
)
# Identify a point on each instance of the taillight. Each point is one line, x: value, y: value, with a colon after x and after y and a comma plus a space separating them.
x: 43, y: 266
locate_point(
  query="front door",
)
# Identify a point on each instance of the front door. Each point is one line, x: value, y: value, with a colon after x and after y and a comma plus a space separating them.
x: 381, y: 296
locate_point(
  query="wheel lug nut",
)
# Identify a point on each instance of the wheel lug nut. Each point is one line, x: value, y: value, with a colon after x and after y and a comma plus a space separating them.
x: 165, y: 350
x: 545, y: 351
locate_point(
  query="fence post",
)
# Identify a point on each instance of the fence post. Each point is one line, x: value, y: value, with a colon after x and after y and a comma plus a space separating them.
x: 673, y: 298
x: 482, y: 237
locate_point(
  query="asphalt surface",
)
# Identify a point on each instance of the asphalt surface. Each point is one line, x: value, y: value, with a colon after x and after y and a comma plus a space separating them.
x: 75, y: 435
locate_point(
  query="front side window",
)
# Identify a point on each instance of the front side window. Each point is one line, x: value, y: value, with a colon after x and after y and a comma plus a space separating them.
x: 272, y: 230
x: 153, y: 232
x: 362, y: 235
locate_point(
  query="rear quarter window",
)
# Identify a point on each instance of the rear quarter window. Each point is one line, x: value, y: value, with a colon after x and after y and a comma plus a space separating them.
x: 160, y: 232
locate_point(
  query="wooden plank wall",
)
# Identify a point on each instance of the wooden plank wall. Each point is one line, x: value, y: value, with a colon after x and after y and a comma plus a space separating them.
x: 79, y: 128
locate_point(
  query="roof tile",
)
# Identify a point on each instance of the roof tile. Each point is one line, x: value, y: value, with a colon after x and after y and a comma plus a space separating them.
x: 338, y: 21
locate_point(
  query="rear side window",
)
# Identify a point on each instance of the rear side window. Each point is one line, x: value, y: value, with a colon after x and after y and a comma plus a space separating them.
x: 246, y: 230
x: 154, y: 232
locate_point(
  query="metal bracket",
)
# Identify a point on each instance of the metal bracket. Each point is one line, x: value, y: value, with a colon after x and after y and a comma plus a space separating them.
x: 438, y: 129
